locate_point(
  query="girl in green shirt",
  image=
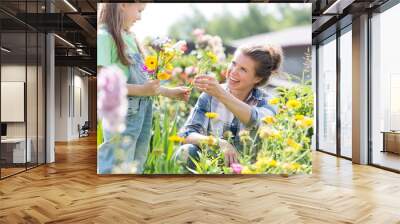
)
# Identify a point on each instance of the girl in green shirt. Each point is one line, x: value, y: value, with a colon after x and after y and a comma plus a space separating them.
x: 116, y: 45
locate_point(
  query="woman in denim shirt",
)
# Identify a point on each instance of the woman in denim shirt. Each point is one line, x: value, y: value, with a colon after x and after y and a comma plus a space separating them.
x: 240, y: 103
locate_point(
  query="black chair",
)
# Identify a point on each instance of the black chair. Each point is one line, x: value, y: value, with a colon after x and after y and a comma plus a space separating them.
x: 84, y: 130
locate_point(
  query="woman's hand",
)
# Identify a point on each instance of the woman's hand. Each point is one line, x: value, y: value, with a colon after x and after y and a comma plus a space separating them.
x: 230, y: 153
x: 179, y: 93
x: 209, y: 85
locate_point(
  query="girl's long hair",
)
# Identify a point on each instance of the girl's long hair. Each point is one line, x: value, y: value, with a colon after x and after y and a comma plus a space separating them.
x: 111, y: 15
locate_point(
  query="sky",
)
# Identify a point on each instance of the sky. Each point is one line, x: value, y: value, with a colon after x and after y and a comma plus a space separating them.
x: 157, y: 17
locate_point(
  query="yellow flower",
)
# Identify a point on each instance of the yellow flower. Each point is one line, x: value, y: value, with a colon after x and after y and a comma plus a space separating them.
x: 266, y: 132
x: 307, y: 122
x: 275, y: 134
x: 228, y: 134
x: 261, y: 163
x: 210, y: 140
x: 298, y: 117
x: 244, y: 135
x: 269, y: 119
x: 163, y: 76
x: 273, y: 101
x: 247, y: 170
x: 295, y: 166
x: 212, y: 57
x: 169, y: 67
x: 168, y: 55
x: 264, y: 162
x: 290, y: 142
x: 272, y: 163
x: 291, y: 167
x: 151, y: 62
x: 176, y: 138
x: 263, y: 133
x: 293, y: 104
x: 212, y: 115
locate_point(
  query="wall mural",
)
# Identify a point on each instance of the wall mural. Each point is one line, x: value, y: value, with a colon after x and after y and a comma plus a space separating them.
x: 205, y: 91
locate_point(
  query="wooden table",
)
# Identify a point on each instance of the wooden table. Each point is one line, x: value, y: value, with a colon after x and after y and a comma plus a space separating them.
x: 391, y: 141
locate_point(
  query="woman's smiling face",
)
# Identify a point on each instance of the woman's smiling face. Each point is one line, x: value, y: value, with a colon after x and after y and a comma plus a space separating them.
x: 242, y: 73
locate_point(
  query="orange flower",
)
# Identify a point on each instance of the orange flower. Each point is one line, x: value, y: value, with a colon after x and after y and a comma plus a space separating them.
x: 163, y: 76
x: 183, y: 76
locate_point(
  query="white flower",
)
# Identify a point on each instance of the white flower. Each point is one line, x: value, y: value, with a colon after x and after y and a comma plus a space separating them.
x: 180, y: 46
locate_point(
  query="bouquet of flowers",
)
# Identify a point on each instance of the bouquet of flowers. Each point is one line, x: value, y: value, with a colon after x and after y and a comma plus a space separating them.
x: 209, y: 52
x: 159, y: 63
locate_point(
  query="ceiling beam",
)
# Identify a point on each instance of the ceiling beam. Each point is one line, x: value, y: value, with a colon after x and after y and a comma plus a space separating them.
x: 86, y: 26
x: 337, y: 7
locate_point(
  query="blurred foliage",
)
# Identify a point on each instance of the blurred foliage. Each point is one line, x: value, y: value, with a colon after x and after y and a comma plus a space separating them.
x: 255, y: 21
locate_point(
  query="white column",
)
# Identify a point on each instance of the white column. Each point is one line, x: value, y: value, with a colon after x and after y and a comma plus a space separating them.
x: 50, y: 109
x: 50, y: 93
x: 360, y: 90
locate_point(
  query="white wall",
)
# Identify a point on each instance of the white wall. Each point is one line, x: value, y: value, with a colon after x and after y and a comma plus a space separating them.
x: 12, y: 73
x: 71, y: 93
x: 61, y: 103
x: 16, y: 73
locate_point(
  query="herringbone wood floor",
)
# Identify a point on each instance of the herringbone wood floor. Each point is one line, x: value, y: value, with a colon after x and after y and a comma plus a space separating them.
x: 69, y: 191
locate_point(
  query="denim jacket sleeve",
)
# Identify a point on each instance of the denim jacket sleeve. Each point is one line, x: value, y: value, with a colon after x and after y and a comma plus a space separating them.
x: 197, y: 120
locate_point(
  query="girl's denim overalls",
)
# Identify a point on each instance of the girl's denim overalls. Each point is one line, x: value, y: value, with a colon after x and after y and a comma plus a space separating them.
x: 131, y: 147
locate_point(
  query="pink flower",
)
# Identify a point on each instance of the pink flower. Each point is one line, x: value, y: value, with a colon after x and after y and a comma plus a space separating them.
x: 112, y: 98
x: 237, y: 168
x: 145, y: 69
x: 198, y: 32
x: 190, y: 70
x: 176, y: 71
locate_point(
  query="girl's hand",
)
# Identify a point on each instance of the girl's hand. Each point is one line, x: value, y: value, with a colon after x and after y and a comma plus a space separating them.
x: 230, y: 153
x: 151, y: 88
x: 179, y: 93
x: 209, y: 85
